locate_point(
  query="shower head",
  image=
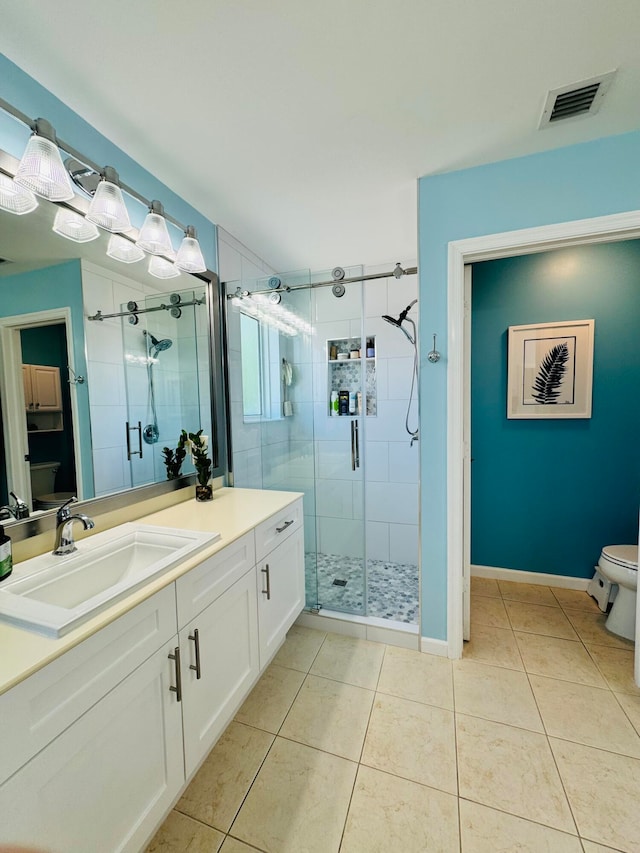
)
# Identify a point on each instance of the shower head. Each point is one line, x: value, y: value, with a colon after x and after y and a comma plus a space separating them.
x: 398, y: 321
x: 156, y: 345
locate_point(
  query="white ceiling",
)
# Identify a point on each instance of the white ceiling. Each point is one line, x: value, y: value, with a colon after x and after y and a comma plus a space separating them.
x: 301, y: 127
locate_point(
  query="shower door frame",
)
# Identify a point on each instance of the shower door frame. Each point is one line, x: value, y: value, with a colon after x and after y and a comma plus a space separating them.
x: 603, y: 229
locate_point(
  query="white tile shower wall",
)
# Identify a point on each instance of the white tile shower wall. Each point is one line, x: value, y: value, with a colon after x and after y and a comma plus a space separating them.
x: 391, y: 465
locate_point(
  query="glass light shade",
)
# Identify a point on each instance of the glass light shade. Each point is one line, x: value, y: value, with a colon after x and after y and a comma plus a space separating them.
x: 14, y: 198
x: 162, y: 268
x: 189, y: 257
x: 74, y: 226
x: 154, y: 236
x: 42, y: 171
x: 107, y: 208
x: 121, y: 249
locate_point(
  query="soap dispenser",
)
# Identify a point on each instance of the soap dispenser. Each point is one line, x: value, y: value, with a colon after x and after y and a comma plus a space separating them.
x: 6, y: 562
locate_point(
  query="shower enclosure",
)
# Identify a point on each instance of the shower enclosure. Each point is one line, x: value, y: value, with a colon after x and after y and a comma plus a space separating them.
x: 319, y: 388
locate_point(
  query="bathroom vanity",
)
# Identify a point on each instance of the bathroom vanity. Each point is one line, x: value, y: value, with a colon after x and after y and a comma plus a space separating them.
x: 104, y: 727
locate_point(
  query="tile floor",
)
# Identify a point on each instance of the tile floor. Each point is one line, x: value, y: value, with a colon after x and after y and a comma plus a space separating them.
x: 530, y: 743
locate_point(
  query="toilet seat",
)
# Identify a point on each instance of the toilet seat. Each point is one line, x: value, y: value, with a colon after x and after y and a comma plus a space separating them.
x: 622, y: 555
x: 52, y: 501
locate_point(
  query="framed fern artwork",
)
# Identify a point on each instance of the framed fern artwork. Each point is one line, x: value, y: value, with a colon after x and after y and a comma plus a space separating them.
x: 550, y: 372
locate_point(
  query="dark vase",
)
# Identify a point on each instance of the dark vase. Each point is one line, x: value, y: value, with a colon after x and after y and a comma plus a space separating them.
x: 204, y: 493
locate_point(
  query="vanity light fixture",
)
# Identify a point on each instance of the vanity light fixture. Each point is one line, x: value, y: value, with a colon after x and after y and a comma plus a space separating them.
x: 154, y: 234
x: 14, y: 198
x: 189, y: 257
x: 107, y: 208
x: 41, y: 169
x: 162, y: 268
x: 73, y: 226
x: 121, y: 249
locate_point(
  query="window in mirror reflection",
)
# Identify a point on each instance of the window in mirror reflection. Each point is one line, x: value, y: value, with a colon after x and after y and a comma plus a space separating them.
x: 260, y: 359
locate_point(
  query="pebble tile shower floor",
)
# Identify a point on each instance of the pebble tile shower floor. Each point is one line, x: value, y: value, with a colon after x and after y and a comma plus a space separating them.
x: 392, y: 588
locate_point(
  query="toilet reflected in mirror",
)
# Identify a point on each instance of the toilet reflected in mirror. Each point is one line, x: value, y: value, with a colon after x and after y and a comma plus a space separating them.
x: 43, y: 486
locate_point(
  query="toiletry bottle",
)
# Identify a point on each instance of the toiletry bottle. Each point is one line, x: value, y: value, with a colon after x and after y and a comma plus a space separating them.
x: 359, y: 403
x: 370, y: 348
x: 352, y: 402
x: 334, y: 404
x: 6, y: 562
x: 343, y: 402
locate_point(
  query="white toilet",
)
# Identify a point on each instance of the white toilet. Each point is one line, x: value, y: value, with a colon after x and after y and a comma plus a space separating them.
x: 619, y: 565
x: 43, y: 483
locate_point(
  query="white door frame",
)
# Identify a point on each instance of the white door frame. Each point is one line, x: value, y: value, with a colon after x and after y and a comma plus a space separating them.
x: 12, y: 391
x: 603, y: 229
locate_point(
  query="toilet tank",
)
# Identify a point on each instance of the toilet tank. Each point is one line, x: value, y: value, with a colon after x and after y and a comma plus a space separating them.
x: 43, y: 477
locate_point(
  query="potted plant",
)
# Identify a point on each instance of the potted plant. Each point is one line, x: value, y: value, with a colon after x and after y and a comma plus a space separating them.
x: 202, y: 463
x: 173, y: 459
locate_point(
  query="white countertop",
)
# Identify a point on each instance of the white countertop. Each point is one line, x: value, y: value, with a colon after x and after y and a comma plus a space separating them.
x: 232, y: 513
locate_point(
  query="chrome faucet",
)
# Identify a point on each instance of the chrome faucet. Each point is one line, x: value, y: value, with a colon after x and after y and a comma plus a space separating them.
x: 64, y: 528
x: 20, y: 510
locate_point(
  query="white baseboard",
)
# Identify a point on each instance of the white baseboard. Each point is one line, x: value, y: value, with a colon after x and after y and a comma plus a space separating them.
x: 434, y: 647
x: 563, y: 581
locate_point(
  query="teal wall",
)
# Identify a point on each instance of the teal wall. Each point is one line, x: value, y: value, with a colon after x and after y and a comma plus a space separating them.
x: 42, y: 290
x: 34, y: 100
x: 546, y: 495
x: 576, y: 182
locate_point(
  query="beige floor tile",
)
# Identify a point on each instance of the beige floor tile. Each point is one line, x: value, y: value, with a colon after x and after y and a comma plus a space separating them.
x: 268, y: 703
x: 182, y: 834
x: 591, y: 629
x: 530, y: 593
x: 494, y: 693
x: 575, y: 599
x: 232, y: 845
x: 486, y: 830
x: 414, y: 675
x: 350, y: 660
x: 298, y: 801
x: 220, y: 785
x: 330, y: 715
x: 539, y: 619
x: 300, y: 648
x: 631, y: 707
x: 604, y: 792
x: 392, y: 814
x: 617, y: 667
x: 485, y: 586
x: 495, y: 646
x: 412, y: 740
x: 512, y: 770
x: 578, y: 713
x: 488, y: 611
x: 556, y: 658
x: 590, y: 847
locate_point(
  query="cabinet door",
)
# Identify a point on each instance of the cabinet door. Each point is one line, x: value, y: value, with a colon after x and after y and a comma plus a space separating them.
x: 47, y: 393
x: 226, y: 651
x: 107, y: 781
x: 280, y: 593
x: 28, y: 391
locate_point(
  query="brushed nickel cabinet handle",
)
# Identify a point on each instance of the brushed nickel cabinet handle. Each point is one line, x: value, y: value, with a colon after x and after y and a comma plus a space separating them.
x: 178, y: 688
x: 196, y: 639
x: 284, y: 526
x: 267, y: 591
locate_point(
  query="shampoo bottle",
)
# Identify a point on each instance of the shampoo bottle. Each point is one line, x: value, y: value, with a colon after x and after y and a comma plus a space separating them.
x: 6, y: 562
x: 334, y: 404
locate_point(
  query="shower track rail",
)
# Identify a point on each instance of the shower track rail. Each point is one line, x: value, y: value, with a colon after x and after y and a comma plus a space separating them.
x: 134, y: 311
x: 287, y: 289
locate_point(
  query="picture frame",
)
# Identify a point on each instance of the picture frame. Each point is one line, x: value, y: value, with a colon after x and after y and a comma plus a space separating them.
x: 550, y: 370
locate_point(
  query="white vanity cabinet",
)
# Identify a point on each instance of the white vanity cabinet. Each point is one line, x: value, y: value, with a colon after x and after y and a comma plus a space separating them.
x: 98, y: 744
x: 280, y: 582
x: 108, y: 778
x: 218, y: 646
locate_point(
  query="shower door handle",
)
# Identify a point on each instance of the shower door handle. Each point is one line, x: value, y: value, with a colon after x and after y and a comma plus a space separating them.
x: 131, y: 452
x: 356, y: 426
x: 353, y: 445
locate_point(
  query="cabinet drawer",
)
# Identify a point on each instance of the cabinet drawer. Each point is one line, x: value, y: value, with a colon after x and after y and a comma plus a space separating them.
x: 35, y: 712
x: 202, y: 585
x: 274, y: 530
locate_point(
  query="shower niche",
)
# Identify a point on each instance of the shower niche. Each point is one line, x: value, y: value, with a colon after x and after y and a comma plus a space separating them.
x: 351, y: 377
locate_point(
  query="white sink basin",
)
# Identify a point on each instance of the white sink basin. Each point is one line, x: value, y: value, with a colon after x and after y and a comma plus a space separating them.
x: 52, y: 595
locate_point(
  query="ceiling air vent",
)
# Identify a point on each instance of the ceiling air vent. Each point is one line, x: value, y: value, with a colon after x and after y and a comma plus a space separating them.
x: 576, y: 100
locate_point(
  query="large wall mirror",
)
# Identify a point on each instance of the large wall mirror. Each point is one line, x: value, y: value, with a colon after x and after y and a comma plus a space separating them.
x: 89, y: 404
